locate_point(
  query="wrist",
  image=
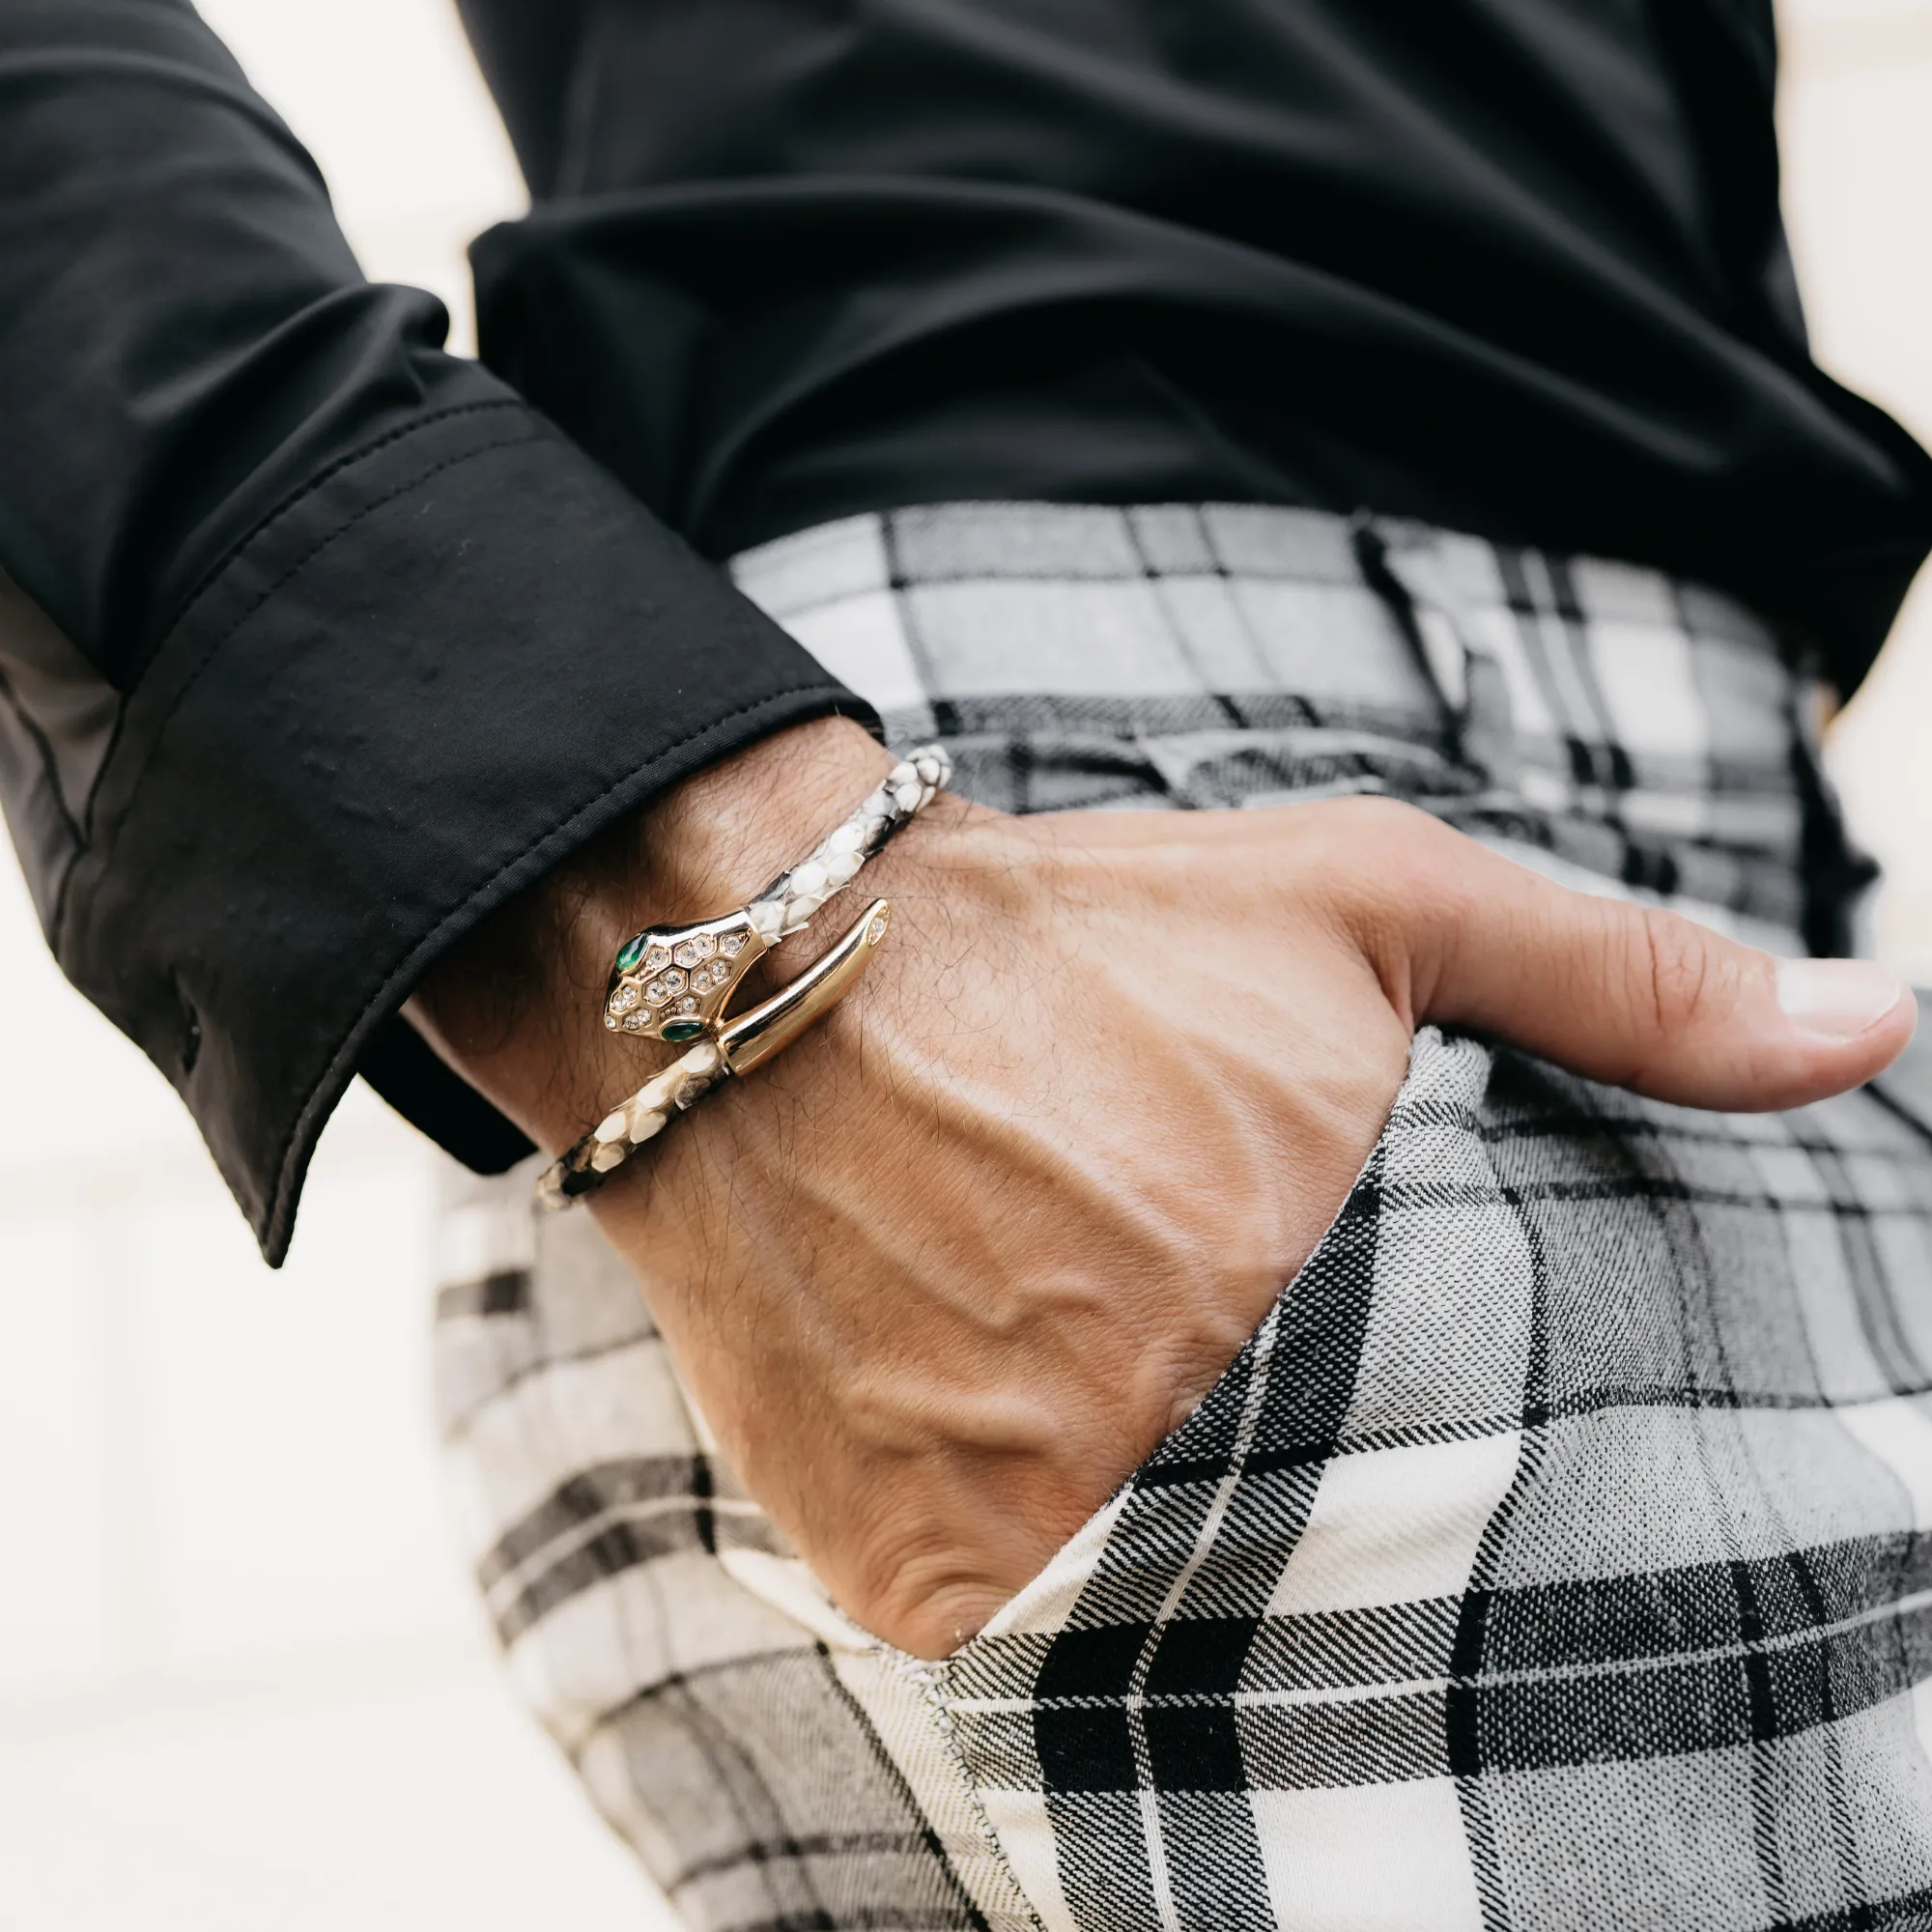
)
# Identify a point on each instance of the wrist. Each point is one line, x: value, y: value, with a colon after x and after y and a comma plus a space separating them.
x: 516, y: 1008
x: 709, y: 844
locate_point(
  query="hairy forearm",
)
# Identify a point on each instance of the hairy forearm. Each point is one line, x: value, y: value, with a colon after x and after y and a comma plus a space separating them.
x: 517, y: 1008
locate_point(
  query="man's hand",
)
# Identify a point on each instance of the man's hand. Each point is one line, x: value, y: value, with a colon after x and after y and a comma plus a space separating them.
x: 944, y: 1272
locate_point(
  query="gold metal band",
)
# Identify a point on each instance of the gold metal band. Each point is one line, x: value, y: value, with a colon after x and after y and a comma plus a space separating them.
x: 753, y: 1037
x: 737, y: 1047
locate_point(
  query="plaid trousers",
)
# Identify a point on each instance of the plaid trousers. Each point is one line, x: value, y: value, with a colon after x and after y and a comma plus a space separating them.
x: 1556, y: 1554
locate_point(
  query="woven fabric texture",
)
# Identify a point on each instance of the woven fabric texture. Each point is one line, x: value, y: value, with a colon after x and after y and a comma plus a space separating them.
x: 1556, y: 1552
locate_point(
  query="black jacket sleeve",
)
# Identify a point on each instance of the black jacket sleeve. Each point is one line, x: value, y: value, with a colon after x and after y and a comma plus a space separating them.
x: 316, y: 644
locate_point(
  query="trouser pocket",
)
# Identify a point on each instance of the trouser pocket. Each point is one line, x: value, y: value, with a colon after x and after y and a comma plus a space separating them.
x: 1560, y: 1541
x: 1155, y: 1722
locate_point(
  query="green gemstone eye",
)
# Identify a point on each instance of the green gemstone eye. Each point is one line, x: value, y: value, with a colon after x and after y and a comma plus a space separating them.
x: 677, y: 1032
x: 631, y: 954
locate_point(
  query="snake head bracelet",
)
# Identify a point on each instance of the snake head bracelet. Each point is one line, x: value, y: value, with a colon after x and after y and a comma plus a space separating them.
x: 674, y: 983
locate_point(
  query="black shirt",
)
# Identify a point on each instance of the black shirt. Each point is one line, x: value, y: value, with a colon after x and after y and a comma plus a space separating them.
x: 318, y: 643
x: 1512, y: 265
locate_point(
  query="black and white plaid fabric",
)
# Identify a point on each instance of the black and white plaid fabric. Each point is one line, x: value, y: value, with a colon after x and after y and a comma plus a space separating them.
x: 1557, y: 1554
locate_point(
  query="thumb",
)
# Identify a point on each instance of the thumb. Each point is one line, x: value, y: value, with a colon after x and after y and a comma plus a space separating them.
x: 1641, y: 998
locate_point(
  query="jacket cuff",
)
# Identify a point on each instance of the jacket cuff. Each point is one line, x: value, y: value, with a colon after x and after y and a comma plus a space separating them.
x: 452, y: 659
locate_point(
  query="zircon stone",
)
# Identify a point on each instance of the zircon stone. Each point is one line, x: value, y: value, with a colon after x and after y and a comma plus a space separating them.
x: 656, y: 959
x: 623, y: 1000
x: 677, y: 1032
x: 674, y: 980
x: 687, y: 954
x: 732, y: 945
x: 657, y: 993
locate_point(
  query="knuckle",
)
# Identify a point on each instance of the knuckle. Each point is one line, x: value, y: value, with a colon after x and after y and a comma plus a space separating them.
x: 1377, y: 824
x: 1384, y: 870
x: 1363, y: 846
x: 1677, y: 973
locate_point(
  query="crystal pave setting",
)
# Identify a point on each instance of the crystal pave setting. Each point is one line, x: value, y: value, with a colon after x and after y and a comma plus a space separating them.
x: 675, y: 985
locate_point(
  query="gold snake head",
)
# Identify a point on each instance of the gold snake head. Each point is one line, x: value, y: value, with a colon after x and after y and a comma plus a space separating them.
x: 675, y: 985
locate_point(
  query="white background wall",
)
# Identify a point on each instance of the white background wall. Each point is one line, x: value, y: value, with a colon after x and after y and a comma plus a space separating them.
x: 1857, y: 125
x: 242, y: 1683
